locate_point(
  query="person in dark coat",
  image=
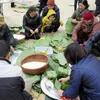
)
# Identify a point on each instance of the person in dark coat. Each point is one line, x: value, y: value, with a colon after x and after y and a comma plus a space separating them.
x: 43, y: 3
x: 85, y: 74
x: 11, y: 77
x: 97, y: 12
x: 93, y: 44
x: 31, y: 22
x: 51, y: 5
x: 5, y: 33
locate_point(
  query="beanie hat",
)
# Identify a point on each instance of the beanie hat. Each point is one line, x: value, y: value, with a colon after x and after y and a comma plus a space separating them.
x: 88, y: 16
x: 51, y: 2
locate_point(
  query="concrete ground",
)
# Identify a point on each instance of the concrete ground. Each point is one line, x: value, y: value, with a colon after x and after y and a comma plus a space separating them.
x: 14, y: 16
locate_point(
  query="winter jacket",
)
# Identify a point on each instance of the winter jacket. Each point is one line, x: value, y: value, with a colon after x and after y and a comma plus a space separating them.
x: 31, y: 22
x: 97, y: 2
x: 81, y: 25
x: 12, y: 88
x: 85, y: 75
x: 78, y: 14
x: 56, y: 9
x: 95, y: 39
x: 5, y: 34
x: 46, y: 20
x: 11, y: 82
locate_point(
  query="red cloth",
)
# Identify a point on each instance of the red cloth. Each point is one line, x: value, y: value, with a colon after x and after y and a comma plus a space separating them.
x: 51, y: 2
x: 88, y: 16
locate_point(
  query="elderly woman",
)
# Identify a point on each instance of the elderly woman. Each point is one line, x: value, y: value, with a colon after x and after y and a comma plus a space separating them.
x: 89, y: 25
x: 85, y: 74
x: 76, y: 17
x: 31, y: 22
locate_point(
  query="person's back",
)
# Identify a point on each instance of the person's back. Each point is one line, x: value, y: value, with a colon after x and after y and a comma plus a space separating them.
x: 11, y: 77
x: 89, y: 68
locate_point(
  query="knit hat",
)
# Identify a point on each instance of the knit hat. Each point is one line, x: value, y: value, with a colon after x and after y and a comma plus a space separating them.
x: 88, y: 16
x: 51, y: 2
x: 1, y: 19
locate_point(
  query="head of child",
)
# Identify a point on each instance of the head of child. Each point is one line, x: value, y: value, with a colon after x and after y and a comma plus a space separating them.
x: 51, y: 17
x: 83, y: 5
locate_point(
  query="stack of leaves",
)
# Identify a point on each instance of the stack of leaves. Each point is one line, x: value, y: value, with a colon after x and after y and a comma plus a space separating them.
x: 59, y: 42
x: 44, y: 41
x: 15, y: 28
x: 26, y: 45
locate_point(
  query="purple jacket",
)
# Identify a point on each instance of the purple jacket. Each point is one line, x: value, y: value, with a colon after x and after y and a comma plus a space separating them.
x: 80, y: 25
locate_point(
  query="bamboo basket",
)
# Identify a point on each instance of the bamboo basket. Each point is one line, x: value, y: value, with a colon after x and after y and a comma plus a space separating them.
x: 35, y: 58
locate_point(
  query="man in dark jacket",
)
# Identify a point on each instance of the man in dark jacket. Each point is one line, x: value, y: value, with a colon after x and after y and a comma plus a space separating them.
x: 51, y: 5
x: 85, y: 74
x: 31, y: 22
x: 93, y: 44
x: 5, y: 33
x: 11, y: 77
x: 97, y: 12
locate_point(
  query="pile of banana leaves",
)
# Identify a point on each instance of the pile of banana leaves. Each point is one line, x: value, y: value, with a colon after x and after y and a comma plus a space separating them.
x: 57, y: 63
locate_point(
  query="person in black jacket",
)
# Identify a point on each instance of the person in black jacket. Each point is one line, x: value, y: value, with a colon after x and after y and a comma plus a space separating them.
x: 11, y: 77
x: 5, y: 33
x: 43, y: 3
x: 97, y: 12
x: 31, y: 22
x: 51, y: 5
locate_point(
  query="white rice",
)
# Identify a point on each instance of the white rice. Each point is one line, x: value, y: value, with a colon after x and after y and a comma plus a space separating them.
x: 33, y: 65
x: 19, y: 37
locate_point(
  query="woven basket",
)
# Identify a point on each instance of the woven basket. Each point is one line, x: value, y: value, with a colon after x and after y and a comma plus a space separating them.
x: 35, y: 58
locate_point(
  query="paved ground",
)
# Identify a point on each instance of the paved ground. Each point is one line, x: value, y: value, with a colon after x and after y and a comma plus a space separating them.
x: 15, y: 16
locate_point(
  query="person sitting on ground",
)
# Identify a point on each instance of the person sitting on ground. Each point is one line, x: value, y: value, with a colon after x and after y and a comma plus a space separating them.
x: 93, y: 44
x: 89, y: 25
x: 31, y: 22
x: 51, y: 5
x: 76, y: 17
x: 85, y: 74
x: 11, y: 77
x: 5, y: 33
x: 47, y: 22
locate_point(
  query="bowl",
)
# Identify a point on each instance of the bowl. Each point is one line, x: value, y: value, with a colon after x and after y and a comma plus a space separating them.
x: 35, y: 58
x: 47, y: 50
x: 19, y: 37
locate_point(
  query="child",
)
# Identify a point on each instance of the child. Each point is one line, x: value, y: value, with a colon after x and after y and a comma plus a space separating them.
x: 47, y: 25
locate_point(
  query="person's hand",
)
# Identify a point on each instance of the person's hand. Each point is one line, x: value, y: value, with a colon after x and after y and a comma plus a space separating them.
x: 74, y: 21
x: 11, y: 48
x: 60, y: 92
x: 63, y: 80
x: 47, y: 23
x: 52, y: 33
x: 36, y: 30
x: 31, y: 31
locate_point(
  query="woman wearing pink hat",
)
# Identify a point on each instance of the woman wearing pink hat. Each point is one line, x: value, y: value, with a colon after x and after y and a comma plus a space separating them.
x: 88, y: 26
